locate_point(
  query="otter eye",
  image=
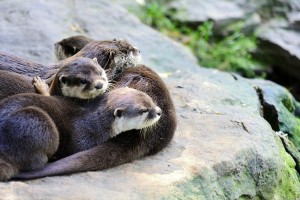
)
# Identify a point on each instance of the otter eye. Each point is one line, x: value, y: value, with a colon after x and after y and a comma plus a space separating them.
x: 144, y: 110
x: 63, y: 79
x: 119, y: 71
x: 83, y: 81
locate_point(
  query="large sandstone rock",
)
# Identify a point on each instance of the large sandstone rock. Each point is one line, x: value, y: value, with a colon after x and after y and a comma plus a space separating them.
x: 223, y: 148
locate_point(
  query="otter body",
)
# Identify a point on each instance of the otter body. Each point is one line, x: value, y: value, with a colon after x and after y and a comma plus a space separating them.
x: 12, y: 83
x: 129, y: 145
x: 35, y: 128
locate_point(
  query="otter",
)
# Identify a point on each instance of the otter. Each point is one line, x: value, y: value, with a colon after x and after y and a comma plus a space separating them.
x: 79, y: 78
x: 112, y: 55
x: 70, y: 46
x: 35, y: 128
x: 129, y: 145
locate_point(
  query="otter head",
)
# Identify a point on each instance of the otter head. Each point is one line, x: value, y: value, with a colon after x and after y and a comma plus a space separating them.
x: 81, y: 78
x: 113, y: 55
x: 70, y: 46
x: 132, y: 109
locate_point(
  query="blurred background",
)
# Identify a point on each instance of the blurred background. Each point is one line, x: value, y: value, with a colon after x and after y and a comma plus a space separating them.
x: 254, y: 38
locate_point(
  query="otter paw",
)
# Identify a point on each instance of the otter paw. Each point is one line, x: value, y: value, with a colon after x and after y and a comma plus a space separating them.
x: 41, y: 86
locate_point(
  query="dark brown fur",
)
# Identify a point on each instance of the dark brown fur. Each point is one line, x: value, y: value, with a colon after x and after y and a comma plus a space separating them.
x: 70, y: 46
x: 129, y: 145
x: 12, y: 83
x: 35, y: 128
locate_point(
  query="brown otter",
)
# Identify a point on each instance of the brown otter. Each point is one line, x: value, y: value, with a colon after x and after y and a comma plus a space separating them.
x: 129, y: 145
x: 112, y: 55
x: 34, y: 128
x: 70, y: 46
x: 80, y: 78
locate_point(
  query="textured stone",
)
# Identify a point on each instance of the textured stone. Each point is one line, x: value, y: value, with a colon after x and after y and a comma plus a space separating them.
x: 280, y: 109
x: 279, y: 46
x: 223, y: 148
x: 195, y: 11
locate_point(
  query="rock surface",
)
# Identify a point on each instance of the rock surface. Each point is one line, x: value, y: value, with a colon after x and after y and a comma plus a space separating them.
x: 279, y: 47
x: 223, y: 148
x: 196, y: 11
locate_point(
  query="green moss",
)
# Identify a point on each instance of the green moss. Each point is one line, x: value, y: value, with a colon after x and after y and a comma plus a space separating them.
x: 289, y: 186
x: 288, y: 103
x: 288, y: 121
x: 252, y: 177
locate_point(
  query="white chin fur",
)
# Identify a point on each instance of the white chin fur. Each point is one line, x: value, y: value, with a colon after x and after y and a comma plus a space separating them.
x: 122, y: 124
x: 78, y: 92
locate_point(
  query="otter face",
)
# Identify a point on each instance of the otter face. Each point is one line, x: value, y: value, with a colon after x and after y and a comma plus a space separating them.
x: 130, y: 58
x: 133, y: 109
x: 113, y: 55
x: 82, y: 78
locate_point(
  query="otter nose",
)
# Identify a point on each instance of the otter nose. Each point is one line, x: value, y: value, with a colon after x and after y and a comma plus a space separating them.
x: 158, y: 111
x: 98, y: 86
x: 136, y: 51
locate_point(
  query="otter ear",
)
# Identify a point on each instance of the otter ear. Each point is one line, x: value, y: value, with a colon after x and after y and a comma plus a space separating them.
x: 110, y: 59
x: 63, y: 79
x: 111, y: 55
x: 95, y: 60
x: 118, y: 112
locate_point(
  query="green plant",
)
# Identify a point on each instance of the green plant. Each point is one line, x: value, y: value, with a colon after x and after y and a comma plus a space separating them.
x: 155, y: 16
x: 232, y: 53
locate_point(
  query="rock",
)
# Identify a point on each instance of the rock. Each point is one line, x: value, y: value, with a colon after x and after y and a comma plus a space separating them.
x: 294, y: 20
x: 269, y: 9
x: 31, y: 26
x: 195, y: 11
x: 223, y: 148
x: 279, y: 47
x: 280, y: 109
x: 279, y: 35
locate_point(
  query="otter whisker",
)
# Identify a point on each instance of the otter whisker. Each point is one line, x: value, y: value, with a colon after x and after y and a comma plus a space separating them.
x: 110, y: 87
